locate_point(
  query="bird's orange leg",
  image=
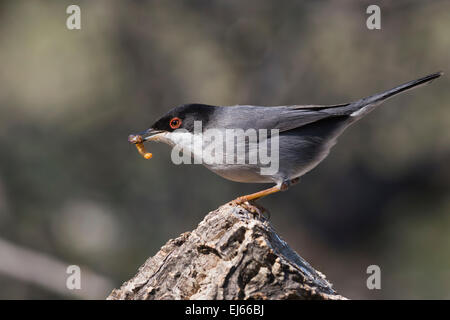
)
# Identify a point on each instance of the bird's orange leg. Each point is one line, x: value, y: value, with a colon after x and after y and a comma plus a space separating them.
x: 257, y: 195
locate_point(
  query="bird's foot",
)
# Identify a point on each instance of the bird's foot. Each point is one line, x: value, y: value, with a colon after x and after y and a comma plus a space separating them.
x: 259, y: 210
x: 252, y: 207
x: 238, y: 201
x: 247, y: 202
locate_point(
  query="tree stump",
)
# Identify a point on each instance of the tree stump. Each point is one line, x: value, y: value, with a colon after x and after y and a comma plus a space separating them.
x: 234, y: 253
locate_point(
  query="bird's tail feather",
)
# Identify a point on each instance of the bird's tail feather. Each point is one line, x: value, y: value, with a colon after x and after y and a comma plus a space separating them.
x: 362, y: 107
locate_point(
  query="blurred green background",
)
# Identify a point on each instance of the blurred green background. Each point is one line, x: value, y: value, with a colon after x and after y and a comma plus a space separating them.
x: 73, y: 191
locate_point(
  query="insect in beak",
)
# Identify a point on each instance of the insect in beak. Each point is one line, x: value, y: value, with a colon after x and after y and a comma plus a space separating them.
x: 138, y: 141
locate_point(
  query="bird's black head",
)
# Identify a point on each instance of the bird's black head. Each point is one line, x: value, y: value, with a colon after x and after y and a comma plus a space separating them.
x: 181, y: 117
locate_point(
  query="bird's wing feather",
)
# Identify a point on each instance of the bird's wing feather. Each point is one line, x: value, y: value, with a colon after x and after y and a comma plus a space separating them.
x: 280, y: 117
x: 318, y: 107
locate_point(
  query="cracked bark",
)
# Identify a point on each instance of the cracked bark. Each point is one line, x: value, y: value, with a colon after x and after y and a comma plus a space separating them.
x: 234, y: 253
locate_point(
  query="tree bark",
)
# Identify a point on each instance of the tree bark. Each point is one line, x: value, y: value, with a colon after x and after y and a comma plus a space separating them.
x: 234, y: 253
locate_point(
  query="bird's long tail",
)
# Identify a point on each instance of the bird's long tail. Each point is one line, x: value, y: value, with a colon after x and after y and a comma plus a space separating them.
x: 363, y: 106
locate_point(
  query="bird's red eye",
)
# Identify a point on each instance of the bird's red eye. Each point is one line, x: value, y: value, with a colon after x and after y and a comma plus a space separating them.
x: 175, y: 123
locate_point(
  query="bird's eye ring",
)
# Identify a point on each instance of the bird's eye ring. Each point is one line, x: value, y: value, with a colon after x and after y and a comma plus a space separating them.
x: 175, y: 123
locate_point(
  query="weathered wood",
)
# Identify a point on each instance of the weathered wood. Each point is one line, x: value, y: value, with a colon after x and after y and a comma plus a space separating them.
x: 234, y: 253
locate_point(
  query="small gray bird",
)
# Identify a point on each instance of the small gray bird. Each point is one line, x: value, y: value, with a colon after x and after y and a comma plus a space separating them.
x: 305, y: 136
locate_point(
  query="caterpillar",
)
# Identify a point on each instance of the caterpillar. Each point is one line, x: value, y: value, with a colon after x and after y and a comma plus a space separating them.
x: 139, y: 143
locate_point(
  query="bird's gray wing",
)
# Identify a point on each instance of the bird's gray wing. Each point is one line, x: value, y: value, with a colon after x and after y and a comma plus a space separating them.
x: 280, y: 117
x: 318, y: 106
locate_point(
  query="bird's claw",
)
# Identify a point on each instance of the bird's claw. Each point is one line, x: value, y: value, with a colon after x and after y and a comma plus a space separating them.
x: 252, y: 207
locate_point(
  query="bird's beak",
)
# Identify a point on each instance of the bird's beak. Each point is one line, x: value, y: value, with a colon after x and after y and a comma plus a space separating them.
x: 150, y: 134
x: 144, y: 136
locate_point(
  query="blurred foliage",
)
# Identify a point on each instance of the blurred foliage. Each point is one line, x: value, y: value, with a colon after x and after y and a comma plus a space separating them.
x: 71, y: 186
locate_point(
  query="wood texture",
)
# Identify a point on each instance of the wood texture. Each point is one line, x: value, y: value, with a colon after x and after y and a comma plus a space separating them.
x: 234, y: 253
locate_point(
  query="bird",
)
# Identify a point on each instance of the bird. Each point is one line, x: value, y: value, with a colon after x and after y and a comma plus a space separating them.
x: 305, y: 134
